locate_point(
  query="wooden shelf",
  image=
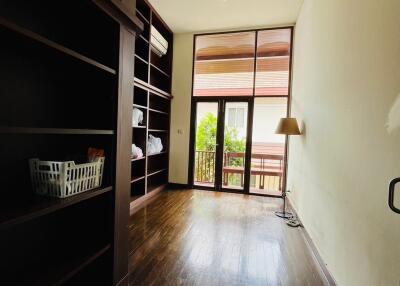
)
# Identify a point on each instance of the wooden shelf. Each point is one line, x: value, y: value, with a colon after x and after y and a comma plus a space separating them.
x: 159, y: 70
x: 143, y: 60
x: 20, y: 211
x: 58, y: 275
x: 155, y: 154
x: 40, y: 39
x: 156, y: 189
x: 135, y: 179
x: 66, y: 92
x: 144, y: 39
x: 158, y: 111
x: 139, y: 106
x: 139, y: 127
x: 156, y: 172
x: 158, y: 130
x: 142, y: 17
x: 142, y: 84
x: 32, y: 130
x: 138, y: 159
x: 135, y: 197
x: 152, y: 83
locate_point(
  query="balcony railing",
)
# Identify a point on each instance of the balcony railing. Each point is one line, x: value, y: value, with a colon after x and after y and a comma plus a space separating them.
x: 205, y: 167
x: 266, y: 170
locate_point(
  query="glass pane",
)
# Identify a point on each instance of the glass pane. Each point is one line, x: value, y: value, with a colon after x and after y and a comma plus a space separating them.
x: 224, y: 64
x: 231, y: 117
x: 268, y: 150
x: 240, y: 117
x: 206, y: 140
x: 273, y: 57
x: 235, y: 147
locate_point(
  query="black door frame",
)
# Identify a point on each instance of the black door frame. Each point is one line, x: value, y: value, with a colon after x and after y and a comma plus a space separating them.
x: 221, y: 101
x: 250, y: 113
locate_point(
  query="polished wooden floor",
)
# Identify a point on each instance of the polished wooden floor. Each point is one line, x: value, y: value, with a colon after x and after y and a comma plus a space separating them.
x: 191, y: 237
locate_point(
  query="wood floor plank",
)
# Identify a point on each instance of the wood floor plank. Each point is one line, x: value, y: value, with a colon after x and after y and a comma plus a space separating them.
x: 192, y: 237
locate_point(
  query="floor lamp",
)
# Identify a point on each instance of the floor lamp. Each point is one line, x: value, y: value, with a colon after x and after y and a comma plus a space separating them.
x: 286, y: 126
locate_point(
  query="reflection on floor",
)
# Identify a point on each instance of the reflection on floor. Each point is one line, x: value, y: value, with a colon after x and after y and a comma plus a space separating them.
x: 190, y: 237
x: 265, y: 192
x: 204, y: 184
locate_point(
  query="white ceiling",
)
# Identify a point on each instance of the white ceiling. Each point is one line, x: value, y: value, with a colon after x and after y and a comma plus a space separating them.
x: 206, y: 15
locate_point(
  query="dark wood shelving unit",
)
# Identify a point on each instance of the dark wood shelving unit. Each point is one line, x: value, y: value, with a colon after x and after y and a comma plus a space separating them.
x: 159, y: 70
x: 153, y: 89
x: 158, y: 111
x: 63, y: 86
x: 53, y: 45
x: 26, y: 130
x: 61, y: 275
x: 138, y: 159
x: 158, y: 130
x: 80, y: 264
x: 143, y: 60
x: 135, y: 179
x: 152, y: 95
x: 141, y: 17
x: 156, y: 172
x: 156, y: 154
x: 139, y: 106
x: 35, y: 206
x: 143, y: 38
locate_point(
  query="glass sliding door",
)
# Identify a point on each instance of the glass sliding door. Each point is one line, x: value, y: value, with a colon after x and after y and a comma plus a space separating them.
x: 268, y: 149
x: 234, y: 145
x: 240, y: 78
x: 205, y: 143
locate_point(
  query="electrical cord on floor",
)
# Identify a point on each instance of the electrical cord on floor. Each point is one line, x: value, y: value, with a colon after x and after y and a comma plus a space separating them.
x: 293, y: 222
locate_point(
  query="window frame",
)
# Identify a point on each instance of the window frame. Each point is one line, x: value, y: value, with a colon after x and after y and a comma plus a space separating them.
x: 250, y: 113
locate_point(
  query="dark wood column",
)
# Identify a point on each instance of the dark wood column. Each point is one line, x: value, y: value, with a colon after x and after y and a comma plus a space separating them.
x: 123, y: 166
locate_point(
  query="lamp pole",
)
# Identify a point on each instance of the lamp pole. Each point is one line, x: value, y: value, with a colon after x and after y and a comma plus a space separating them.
x: 286, y: 126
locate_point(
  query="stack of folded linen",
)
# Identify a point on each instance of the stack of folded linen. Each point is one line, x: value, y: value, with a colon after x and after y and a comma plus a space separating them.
x: 159, y: 44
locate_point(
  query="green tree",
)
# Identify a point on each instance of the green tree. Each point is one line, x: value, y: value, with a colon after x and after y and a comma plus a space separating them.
x: 207, y: 136
x: 205, y: 141
x: 207, y: 133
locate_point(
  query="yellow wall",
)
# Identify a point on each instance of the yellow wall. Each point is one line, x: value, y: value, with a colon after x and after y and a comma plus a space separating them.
x: 346, y: 78
x: 180, y: 113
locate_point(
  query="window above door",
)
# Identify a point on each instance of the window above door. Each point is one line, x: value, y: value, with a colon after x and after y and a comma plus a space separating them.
x: 243, y: 63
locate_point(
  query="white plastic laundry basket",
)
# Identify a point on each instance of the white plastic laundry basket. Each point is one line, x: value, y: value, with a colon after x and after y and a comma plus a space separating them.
x: 65, y: 179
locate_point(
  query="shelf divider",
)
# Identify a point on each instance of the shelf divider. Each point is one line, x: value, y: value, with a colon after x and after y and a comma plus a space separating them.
x: 159, y: 70
x: 135, y: 179
x: 158, y: 130
x: 156, y: 172
x: 146, y: 86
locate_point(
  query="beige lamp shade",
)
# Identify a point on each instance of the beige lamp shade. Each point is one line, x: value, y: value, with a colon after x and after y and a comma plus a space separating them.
x: 288, y: 126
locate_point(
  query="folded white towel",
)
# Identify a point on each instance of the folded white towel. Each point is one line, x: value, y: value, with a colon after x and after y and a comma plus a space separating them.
x: 136, y: 152
x: 137, y: 117
x: 159, y: 44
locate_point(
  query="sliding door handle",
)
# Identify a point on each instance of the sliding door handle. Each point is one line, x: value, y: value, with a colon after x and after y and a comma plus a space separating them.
x: 391, y: 195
